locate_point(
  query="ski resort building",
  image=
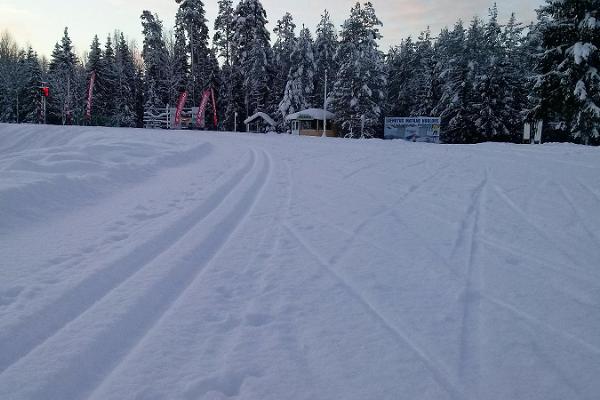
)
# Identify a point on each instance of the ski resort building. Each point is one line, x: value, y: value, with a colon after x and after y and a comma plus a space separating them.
x: 312, y: 122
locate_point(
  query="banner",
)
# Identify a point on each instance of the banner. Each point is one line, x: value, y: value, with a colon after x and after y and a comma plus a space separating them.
x: 414, y: 129
x: 180, y: 105
x: 202, y: 109
x: 88, y: 111
x: 214, y: 104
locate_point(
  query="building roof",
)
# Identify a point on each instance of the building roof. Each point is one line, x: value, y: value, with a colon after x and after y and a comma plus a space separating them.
x: 262, y: 115
x: 311, y: 113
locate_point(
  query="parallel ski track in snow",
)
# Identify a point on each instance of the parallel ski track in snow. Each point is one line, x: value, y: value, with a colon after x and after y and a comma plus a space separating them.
x: 437, y: 371
x: 109, y: 349
x: 38, y: 327
x: 385, y: 210
x: 470, y: 336
x: 576, y: 211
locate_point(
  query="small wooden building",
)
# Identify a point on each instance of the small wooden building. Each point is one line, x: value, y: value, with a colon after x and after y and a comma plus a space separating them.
x: 260, y: 123
x: 310, y: 122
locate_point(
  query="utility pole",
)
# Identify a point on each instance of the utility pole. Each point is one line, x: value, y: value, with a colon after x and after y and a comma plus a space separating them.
x: 325, y: 107
x: 235, y: 122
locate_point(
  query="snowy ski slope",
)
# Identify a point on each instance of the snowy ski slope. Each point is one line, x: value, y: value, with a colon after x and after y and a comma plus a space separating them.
x: 160, y: 265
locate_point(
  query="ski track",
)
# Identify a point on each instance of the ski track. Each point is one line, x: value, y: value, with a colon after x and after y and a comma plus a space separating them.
x: 40, y: 326
x: 582, y: 221
x: 532, y: 224
x: 197, y: 263
x: 470, y: 342
x: 435, y: 368
x: 590, y: 190
x: 384, y: 210
x: 147, y: 311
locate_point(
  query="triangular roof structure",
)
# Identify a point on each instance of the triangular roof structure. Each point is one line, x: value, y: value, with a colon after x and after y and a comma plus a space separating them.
x: 262, y: 115
x: 311, y: 113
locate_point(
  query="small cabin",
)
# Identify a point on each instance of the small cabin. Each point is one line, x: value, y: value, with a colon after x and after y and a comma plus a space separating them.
x: 312, y: 122
x: 260, y: 123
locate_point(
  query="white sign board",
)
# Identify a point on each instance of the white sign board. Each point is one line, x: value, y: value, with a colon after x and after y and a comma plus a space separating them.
x: 414, y: 129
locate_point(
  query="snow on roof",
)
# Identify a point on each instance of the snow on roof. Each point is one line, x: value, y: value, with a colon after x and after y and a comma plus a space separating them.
x: 311, y: 113
x: 262, y: 115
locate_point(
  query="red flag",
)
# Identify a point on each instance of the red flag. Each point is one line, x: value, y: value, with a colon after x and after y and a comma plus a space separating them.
x: 88, y: 112
x: 202, y: 109
x: 180, y: 104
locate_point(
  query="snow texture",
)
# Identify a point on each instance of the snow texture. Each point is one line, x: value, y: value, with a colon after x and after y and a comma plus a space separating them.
x: 185, y: 265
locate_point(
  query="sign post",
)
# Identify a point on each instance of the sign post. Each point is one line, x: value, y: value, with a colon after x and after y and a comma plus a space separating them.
x: 414, y: 129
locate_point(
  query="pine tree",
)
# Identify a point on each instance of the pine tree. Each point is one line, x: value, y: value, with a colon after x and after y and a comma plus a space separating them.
x: 252, y: 58
x: 456, y: 102
x: 63, y: 82
x: 325, y: 47
x: 358, y: 92
x: 299, y: 89
x: 10, y: 77
x: 493, y: 85
x: 568, y: 82
x: 425, y: 83
x: 124, y: 113
x: 177, y: 67
x: 29, y: 98
x: 222, y: 43
x: 93, y: 66
x: 191, y: 19
x: 107, y: 95
x: 284, y: 47
x: 155, y: 58
x: 517, y: 77
x: 401, y: 72
x: 224, y: 29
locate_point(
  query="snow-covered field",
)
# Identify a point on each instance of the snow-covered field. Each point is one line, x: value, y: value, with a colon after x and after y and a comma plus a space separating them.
x: 158, y: 265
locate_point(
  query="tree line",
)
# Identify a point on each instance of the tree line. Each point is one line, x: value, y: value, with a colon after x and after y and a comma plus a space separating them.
x: 485, y: 79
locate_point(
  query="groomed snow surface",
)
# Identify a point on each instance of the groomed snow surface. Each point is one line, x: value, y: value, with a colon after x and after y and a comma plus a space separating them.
x: 162, y: 265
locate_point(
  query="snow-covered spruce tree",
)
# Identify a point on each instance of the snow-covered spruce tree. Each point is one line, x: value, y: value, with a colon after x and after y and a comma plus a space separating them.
x: 251, y: 58
x: 224, y: 26
x: 456, y: 101
x: 518, y: 73
x: 401, y: 73
x: 155, y: 57
x: 358, y: 92
x: 107, y: 93
x: 299, y: 89
x: 63, y: 82
x: 125, y: 94
x: 493, y: 84
x: 177, y: 64
x: 568, y: 81
x: 191, y: 19
x: 325, y: 47
x: 284, y: 47
x: 425, y: 85
x: 29, y: 98
x: 10, y: 74
x: 222, y: 43
x: 93, y: 65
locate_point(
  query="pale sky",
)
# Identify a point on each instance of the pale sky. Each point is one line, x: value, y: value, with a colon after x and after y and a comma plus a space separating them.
x: 41, y: 22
